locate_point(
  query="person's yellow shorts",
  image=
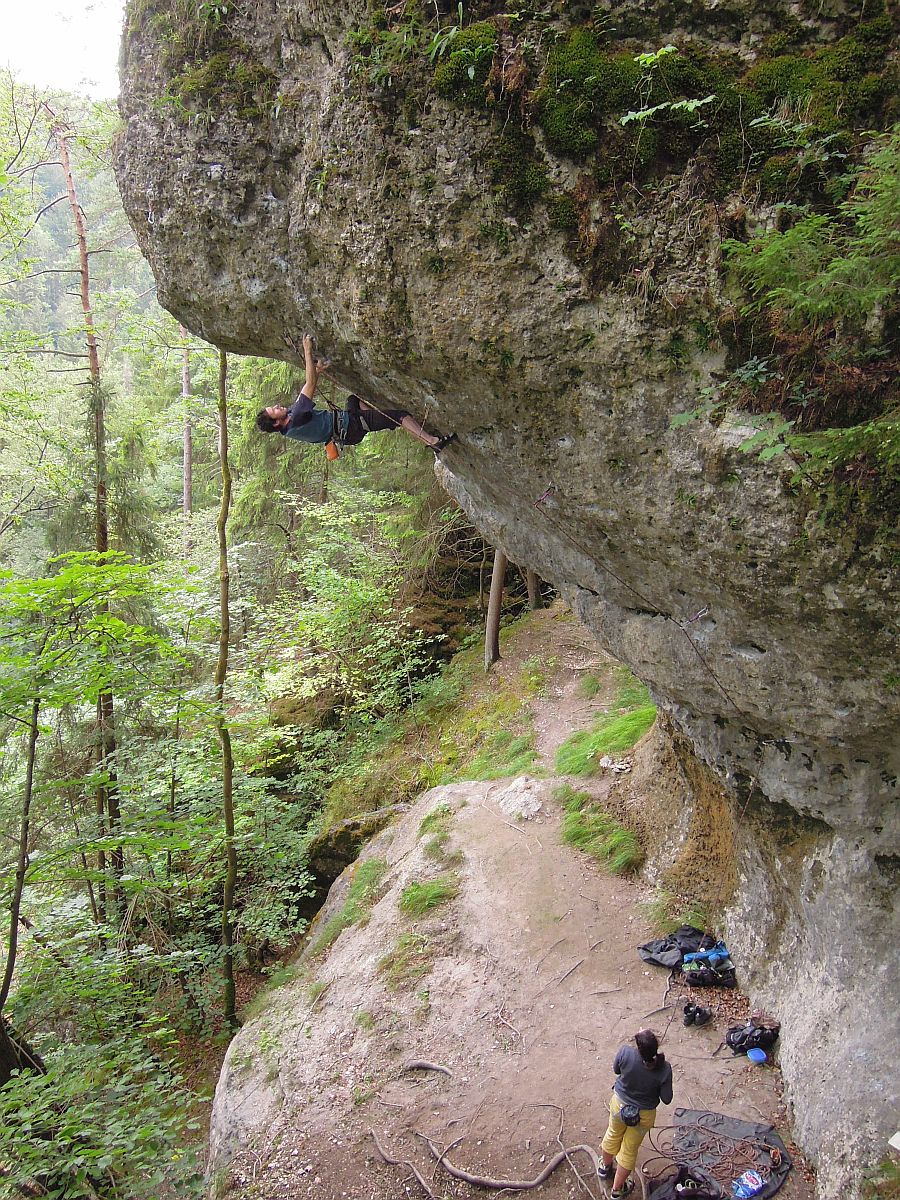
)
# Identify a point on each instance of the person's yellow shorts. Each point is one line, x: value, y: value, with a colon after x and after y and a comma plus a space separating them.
x: 623, y: 1140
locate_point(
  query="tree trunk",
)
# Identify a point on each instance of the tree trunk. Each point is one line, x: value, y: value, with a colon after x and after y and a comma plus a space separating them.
x: 533, y: 584
x: 187, y: 455
x: 495, y: 603
x: 16, y: 1054
x: 224, y: 734
x: 107, y: 792
x: 15, y: 904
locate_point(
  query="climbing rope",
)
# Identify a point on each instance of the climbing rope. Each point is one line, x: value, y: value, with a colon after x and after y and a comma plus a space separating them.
x: 722, y: 1156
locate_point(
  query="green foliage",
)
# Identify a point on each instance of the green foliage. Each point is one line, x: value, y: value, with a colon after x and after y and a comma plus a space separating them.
x: 361, y: 896
x: 382, y: 47
x: 417, y: 899
x: 409, y: 961
x: 832, y: 267
x: 353, y: 571
x: 589, y: 829
x: 466, y: 63
x: 106, y: 1119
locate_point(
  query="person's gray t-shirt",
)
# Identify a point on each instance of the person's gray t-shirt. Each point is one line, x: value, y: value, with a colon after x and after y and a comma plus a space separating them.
x: 637, y: 1084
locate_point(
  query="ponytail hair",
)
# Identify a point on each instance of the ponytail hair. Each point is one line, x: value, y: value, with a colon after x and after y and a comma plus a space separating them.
x: 648, y: 1048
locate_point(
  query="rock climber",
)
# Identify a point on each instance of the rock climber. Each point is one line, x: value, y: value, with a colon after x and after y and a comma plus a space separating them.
x: 644, y: 1082
x: 347, y: 426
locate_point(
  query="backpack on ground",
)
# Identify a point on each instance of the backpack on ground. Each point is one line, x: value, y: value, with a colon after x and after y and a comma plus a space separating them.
x: 688, y: 1183
x: 741, y: 1038
x: 707, y: 974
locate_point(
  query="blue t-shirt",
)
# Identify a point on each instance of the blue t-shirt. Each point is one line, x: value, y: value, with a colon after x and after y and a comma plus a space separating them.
x: 309, y: 424
x: 637, y: 1084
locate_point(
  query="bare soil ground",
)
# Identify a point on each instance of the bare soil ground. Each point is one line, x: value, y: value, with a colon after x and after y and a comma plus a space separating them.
x: 529, y: 982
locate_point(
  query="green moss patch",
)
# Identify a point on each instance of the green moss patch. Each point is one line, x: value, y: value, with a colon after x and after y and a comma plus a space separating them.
x: 834, y: 86
x: 462, y: 75
x: 588, y: 828
x: 520, y: 177
x: 582, y: 83
x: 227, y: 79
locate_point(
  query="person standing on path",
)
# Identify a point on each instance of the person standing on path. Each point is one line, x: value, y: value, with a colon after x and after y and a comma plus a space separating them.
x: 644, y: 1082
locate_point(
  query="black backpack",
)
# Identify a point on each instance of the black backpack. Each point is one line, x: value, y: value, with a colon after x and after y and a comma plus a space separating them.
x: 700, y: 974
x: 741, y: 1038
x: 705, y: 1187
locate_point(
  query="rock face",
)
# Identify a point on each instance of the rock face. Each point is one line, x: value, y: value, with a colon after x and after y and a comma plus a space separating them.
x: 276, y: 184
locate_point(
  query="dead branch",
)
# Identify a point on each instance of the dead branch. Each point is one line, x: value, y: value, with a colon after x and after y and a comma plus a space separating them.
x: 499, y: 1185
x: 569, y: 972
x: 558, y: 942
x: 403, y: 1162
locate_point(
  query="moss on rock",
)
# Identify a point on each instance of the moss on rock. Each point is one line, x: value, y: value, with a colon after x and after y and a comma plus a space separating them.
x: 520, y: 176
x: 581, y: 84
x: 463, y: 73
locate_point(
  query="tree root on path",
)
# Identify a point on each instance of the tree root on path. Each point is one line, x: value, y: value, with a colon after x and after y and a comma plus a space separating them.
x: 524, y: 1185
x: 403, y: 1162
x: 420, y: 1064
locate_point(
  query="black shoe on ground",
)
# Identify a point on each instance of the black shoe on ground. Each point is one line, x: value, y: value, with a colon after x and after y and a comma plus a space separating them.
x: 702, y: 1015
x: 690, y: 1014
x: 625, y: 1190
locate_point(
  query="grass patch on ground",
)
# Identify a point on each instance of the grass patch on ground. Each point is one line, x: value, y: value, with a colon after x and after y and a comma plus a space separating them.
x: 435, y: 827
x: 632, y: 693
x: 631, y: 716
x: 417, y: 899
x: 502, y: 755
x: 611, y: 734
x: 882, y: 1182
x: 362, y: 894
x: 590, y: 829
x: 589, y: 685
x: 408, y: 962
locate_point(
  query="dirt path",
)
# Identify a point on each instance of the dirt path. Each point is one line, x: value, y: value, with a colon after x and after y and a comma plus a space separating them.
x: 534, y: 983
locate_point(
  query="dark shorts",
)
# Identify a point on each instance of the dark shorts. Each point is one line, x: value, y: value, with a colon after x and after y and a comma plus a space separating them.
x: 368, y: 420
